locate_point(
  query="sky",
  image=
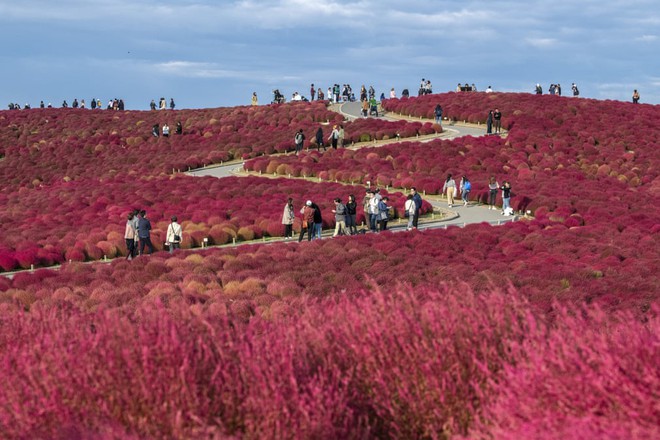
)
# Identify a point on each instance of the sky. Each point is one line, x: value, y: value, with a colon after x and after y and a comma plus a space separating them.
x: 207, y: 53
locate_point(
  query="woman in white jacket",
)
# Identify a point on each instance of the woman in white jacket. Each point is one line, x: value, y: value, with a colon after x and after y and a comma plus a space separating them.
x: 174, y: 235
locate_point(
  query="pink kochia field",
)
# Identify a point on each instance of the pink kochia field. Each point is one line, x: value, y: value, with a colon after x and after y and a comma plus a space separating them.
x: 545, y: 328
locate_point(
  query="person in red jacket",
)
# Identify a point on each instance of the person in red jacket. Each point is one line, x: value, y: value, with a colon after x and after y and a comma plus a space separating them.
x: 308, y: 221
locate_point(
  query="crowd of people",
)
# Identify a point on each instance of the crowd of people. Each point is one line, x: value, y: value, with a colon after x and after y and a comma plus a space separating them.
x: 113, y: 104
x: 377, y: 212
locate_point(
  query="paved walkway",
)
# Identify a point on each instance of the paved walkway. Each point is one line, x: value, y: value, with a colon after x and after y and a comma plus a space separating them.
x: 458, y: 215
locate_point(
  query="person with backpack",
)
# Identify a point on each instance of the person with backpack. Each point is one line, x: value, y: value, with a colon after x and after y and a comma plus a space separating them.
x: 466, y: 187
x: 299, y: 140
x: 174, y: 235
x: 450, y: 189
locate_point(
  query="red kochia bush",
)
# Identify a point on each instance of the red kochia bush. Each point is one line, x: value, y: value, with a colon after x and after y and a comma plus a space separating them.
x: 476, y: 365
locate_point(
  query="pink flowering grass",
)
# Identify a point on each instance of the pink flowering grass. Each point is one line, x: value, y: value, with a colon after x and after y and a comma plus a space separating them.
x: 425, y: 362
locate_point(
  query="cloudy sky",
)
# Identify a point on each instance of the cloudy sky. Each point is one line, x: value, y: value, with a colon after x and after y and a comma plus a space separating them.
x: 207, y: 53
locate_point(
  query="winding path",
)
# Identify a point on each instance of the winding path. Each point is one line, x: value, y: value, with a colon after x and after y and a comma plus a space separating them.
x: 458, y: 215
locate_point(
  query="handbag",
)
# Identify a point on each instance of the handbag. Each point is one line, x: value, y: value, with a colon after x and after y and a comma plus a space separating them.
x: 177, y: 237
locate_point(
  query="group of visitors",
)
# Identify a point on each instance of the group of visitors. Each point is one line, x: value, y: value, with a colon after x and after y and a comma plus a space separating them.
x: 156, y: 131
x: 336, y: 138
x: 162, y: 104
x: 451, y: 190
x: 377, y: 212
x: 138, y: 234
x: 425, y: 87
x: 113, y: 104
x: 466, y: 87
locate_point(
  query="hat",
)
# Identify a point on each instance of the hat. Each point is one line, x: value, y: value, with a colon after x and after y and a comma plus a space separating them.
x: 308, y: 203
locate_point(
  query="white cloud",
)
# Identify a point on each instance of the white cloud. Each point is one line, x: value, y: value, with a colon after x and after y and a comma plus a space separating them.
x: 543, y: 43
x: 647, y: 38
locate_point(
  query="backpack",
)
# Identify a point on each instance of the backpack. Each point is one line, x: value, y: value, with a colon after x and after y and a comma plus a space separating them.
x: 299, y: 138
x: 467, y: 186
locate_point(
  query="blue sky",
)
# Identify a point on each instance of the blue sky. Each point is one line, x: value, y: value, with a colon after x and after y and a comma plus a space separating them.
x: 216, y: 53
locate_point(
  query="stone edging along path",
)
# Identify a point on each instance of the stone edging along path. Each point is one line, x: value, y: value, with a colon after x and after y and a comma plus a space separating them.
x: 442, y: 216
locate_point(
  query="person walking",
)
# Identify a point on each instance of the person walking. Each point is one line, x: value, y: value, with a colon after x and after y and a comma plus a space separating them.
x: 287, y: 219
x: 351, y: 214
x: 506, y: 198
x: 497, y: 117
x: 438, y: 114
x: 334, y: 137
x: 179, y: 128
x: 172, y: 104
x: 340, y: 218
x: 299, y: 140
x: 155, y: 130
x: 129, y: 235
x: 374, y: 212
x: 174, y: 235
x: 307, y: 221
x: 576, y: 92
x: 409, y: 211
x: 466, y: 187
x: 450, y: 189
x: 493, y: 186
x: 635, y: 97
x: 417, y: 199
x: 166, y: 130
x: 144, y: 232
x: 319, y: 139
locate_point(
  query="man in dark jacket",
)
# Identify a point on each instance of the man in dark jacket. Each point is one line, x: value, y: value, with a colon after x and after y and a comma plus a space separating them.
x: 144, y: 232
x: 417, y: 200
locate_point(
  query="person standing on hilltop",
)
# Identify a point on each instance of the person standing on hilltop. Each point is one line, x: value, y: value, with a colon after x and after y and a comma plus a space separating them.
x: 255, y: 100
x: 635, y: 97
x: 312, y: 90
x: 172, y: 105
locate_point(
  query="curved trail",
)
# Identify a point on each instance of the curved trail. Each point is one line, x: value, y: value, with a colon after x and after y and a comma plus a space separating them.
x: 458, y: 215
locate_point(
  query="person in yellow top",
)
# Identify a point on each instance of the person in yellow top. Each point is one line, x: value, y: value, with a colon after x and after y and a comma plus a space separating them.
x: 255, y: 101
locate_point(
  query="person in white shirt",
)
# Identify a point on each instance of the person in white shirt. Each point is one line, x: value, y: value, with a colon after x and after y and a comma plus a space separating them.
x: 174, y: 235
x: 392, y: 93
x: 489, y: 89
